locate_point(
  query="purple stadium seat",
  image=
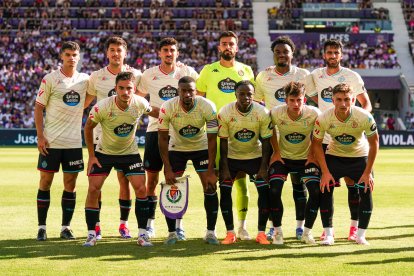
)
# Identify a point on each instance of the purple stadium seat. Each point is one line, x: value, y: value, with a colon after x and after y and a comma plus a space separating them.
x: 74, y: 23
x: 89, y: 24
x: 189, y: 13
x: 82, y: 23
x: 245, y: 24
x: 200, y: 24
x: 96, y: 23
x: 147, y: 3
x: 146, y: 13
x: 181, y: 13
x: 233, y: 13
x: 156, y: 24
x: 225, y: 3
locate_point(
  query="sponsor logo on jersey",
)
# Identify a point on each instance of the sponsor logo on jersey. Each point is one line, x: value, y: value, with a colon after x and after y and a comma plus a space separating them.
x: 345, y: 139
x: 168, y: 92
x: 215, y: 70
x: 227, y: 85
x: 189, y: 131
x: 155, y: 78
x: 72, y: 98
x: 112, y: 92
x: 104, y: 78
x: 76, y: 163
x: 373, y: 127
x: 280, y: 95
x: 123, y: 130
x: 41, y: 91
x: 326, y: 94
x: 341, y: 79
x: 44, y: 81
x: 241, y: 73
x: 244, y: 135
x: 295, y: 138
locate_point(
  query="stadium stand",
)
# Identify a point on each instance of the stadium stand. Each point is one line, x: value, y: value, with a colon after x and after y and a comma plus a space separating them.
x: 32, y: 31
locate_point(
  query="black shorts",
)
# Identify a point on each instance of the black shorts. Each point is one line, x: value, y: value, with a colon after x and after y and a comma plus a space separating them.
x: 179, y: 159
x: 301, y: 172
x: 352, y: 167
x: 71, y: 160
x: 294, y: 167
x: 128, y: 164
x: 249, y: 166
x: 152, y: 157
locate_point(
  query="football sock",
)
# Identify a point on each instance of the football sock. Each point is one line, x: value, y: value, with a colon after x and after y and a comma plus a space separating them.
x: 275, y: 201
x: 179, y: 223
x: 91, y: 215
x: 125, y: 208
x: 262, y: 203
x: 365, y: 208
x: 99, y: 216
x: 141, y: 212
x: 242, y: 198
x: 300, y: 223
x: 211, y: 207
x: 170, y: 224
x: 327, y: 207
x: 328, y: 231
x: 299, y: 196
x: 361, y: 232
x: 306, y: 231
x: 152, y: 205
x: 312, y: 206
x: 226, y: 205
x: 353, y: 202
x: 68, y: 206
x: 43, y: 203
x: 242, y: 224
x: 354, y: 223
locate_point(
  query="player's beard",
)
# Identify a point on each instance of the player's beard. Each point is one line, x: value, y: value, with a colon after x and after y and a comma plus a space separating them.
x: 227, y: 55
x: 332, y: 64
x: 281, y: 64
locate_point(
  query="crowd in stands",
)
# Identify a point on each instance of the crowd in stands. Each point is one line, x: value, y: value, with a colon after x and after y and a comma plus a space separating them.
x: 354, y: 55
x: 408, y: 10
x: 29, y: 51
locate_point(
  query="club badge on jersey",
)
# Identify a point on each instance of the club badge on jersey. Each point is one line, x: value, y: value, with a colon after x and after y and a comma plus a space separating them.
x: 174, y: 198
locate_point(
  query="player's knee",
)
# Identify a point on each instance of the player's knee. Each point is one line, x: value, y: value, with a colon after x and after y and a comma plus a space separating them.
x: 276, y: 186
x: 46, y: 180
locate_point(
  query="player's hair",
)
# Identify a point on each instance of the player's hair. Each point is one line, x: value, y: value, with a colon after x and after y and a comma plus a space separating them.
x: 124, y: 76
x: 69, y: 45
x: 243, y: 83
x: 167, y: 41
x: 116, y: 40
x: 229, y: 34
x: 341, y: 88
x: 283, y: 40
x: 335, y: 43
x: 294, y: 89
x: 186, y: 79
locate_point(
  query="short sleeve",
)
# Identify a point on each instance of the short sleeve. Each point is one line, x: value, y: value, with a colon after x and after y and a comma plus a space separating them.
x: 164, y: 118
x: 44, y: 92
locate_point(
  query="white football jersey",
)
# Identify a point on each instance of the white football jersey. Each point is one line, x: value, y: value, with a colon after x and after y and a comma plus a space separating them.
x: 244, y: 129
x: 162, y: 87
x: 348, y: 137
x: 102, y: 85
x: 294, y: 135
x: 118, y: 125
x: 63, y: 98
x: 188, y: 129
x: 269, y: 84
x: 320, y: 83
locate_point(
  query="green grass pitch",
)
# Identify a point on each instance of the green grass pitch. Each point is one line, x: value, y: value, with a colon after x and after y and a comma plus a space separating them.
x: 391, y: 231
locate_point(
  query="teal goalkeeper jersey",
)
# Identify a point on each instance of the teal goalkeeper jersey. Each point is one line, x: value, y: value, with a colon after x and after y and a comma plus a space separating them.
x: 218, y: 81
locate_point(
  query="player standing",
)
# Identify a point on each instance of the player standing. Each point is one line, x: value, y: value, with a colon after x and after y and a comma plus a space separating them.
x: 241, y: 124
x: 217, y: 83
x: 319, y: 86
x: 270, y: 89
x: 351, y: 153
x: 118, y: 116
x: 292, y: 154
x: 61, y: 95
x: 160, y: 83
x: 101, y: 86
x: 192, y: 124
